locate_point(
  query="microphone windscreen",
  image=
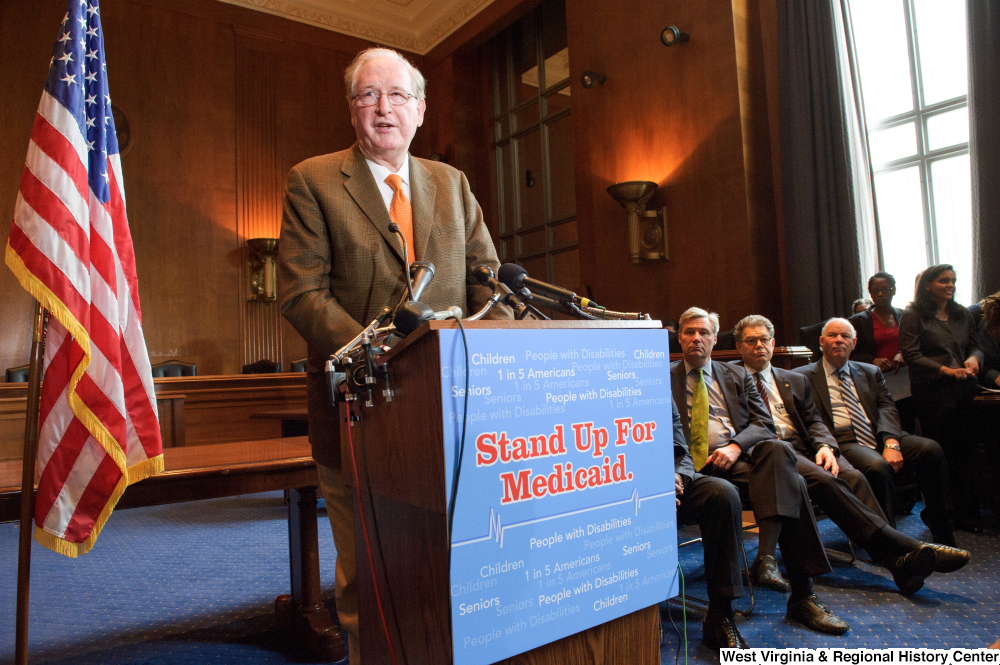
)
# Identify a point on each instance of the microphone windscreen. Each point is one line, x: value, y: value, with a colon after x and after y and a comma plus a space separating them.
x: 512, y: 275
x: 411, y: 316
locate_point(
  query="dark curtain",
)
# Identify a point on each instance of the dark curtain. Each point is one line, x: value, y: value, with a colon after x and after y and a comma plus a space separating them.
x: 825, y: 172
x: 984, y: 141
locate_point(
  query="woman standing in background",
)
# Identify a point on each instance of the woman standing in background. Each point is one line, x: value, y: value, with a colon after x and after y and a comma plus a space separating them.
x: 878, y: 339
x: 939, y: 343
x: 989, y: 339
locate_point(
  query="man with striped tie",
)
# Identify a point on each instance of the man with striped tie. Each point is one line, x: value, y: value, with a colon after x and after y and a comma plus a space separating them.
x: 841, y: 491
x: 732, y: 437
x: 856, y: 406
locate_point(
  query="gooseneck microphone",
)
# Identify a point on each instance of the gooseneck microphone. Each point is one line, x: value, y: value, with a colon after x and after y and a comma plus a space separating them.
x: 516, y: 278
x: 412, y: 314
x: 421, y: 274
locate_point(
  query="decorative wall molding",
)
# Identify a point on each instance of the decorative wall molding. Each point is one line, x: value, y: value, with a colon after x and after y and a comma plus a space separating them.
x: 411, y: 25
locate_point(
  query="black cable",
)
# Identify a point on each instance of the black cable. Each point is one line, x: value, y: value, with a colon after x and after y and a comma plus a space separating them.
x: 378, y: 541
x: 458, y: 462
x: 670, y: 616
x: 461, y: 448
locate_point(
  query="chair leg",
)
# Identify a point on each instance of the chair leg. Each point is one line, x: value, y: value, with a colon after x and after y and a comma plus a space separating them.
x: 746, y: 567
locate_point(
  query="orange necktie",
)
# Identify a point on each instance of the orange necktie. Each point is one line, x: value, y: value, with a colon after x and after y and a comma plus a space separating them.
x: 401, y: 213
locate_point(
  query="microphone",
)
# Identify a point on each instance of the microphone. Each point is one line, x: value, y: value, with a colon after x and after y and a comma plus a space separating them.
x: 394, y: 228
x: 516, y: 278
x: 412, y: 315
x: 452, y: 312
x: 421, y: 274
x: 483, y: 275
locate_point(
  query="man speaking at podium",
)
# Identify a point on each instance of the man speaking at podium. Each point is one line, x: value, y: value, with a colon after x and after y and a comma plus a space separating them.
x: 339, y: 263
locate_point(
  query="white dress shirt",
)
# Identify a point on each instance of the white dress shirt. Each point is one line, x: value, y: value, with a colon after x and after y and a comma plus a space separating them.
x: 842, y: 423
x: 779, y: 414
x: 380, y: 173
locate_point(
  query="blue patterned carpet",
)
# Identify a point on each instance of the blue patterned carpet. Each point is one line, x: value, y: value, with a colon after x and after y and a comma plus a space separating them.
x: 196, y: 582
x: 961, y: 609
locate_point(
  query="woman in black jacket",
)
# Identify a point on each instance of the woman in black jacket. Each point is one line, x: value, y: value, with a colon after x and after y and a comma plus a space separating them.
x: 989, y: 339
x: 877, y: 339
x: 939, y: 342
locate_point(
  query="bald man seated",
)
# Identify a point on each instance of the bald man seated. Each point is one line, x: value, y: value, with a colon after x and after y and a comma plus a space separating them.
x: 871, y: 437
x: 841, y: 491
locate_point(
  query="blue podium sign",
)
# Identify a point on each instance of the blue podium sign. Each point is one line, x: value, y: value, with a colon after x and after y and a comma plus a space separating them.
x: 565, y: 516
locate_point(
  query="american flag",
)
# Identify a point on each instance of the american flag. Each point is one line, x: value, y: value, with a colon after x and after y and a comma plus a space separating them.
x: 70, y: 247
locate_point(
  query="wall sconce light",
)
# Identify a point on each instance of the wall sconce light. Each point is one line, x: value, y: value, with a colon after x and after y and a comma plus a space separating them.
x: 589, y: 79
x: 672, y: 35
x: 263, y: 272
x: 647, y: 239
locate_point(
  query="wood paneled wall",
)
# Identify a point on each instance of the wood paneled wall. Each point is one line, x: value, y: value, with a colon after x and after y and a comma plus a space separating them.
x: 699, y: 119
x: 222, y: 102
x: 687, y: 118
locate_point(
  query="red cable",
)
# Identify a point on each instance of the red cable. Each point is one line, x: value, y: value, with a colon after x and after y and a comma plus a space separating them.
x: 364, y: 527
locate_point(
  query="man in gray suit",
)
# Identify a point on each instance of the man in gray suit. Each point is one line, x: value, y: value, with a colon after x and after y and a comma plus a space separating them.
x: 840, y: 490
x: 339, y: 263
x: 879, y: 448
x: 731, y: 436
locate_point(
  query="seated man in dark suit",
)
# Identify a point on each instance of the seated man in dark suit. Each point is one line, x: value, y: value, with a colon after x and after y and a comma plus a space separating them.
x: 731, y: 436
x: 714, y: 505
x: 841, y: 491
x: 875, y: 444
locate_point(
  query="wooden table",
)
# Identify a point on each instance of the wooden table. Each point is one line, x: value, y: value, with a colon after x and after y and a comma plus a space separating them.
x: 208, y: 472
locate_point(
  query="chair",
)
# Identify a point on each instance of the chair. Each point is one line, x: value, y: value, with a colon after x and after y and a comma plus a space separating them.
x: 18, y: 374
x: 726, y: 340
x: 297, y: 366
x: 809, y: 337
x: 174, y: 368
x: 263, y: 366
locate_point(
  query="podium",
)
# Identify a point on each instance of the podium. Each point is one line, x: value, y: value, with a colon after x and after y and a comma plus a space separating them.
x: 405, y: 451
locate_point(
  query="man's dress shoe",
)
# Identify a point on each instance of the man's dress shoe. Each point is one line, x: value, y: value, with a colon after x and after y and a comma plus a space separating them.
x: 947, y: 559
x: 721, y: 633
x: 911, y: 569
x: 814, y: 615
x: 764, y: 573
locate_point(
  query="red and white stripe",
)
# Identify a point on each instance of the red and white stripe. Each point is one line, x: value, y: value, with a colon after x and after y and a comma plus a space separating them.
x: 98, y: 423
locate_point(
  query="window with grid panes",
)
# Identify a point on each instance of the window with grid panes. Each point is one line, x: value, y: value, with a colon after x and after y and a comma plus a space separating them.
x: 914, y: 81
x: 532, y: 166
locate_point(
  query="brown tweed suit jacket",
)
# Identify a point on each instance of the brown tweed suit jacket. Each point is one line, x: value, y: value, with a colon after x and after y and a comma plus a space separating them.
x: 338, y: 263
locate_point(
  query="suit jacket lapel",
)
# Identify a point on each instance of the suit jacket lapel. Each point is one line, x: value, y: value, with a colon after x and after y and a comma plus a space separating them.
x: 785, y: 390
x: 727, y: 385
x: 423, y: 191
x: 818, y: 378
x: 362, y: 187
x: 678, y: 386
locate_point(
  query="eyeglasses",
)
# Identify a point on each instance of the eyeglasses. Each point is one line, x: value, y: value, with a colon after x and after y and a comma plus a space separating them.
x: 373, y: 97
x: 754, y: 341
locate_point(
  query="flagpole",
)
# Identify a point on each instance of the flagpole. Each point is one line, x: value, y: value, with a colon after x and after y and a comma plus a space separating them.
x: 28, y: 490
